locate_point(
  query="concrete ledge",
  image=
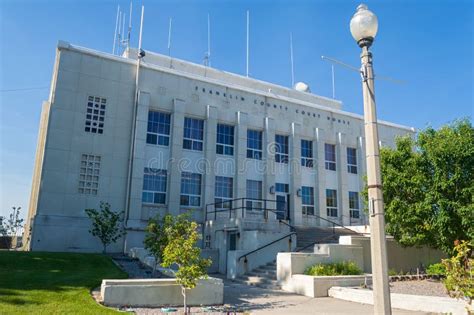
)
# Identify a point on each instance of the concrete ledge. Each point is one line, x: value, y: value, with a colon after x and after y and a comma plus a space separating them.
x: 160, y: 292
x: 434, y: 304
x: 318, y: 286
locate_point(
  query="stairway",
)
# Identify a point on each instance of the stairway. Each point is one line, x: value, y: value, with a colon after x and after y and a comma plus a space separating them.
x: 308, y: 235
x: 262, y: 277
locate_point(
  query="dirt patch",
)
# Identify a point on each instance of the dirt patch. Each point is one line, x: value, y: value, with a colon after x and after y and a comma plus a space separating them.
x: 421, y: 287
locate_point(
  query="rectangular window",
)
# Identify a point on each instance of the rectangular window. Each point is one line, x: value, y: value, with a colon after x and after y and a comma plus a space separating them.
x: 282, y: 188
x: 224, y: 188
x: 352, y: 160
x: 354, y: 204
x: 254, y: 144
x: 225, y: 139
x: 307, y: 200
x: 190, y: 189
x: 158, y: 130
x: 154, y: 186
x: 89, y: 174
x: 95, y: 114
x: 193, y: 134
x: 331, y: 202
x: 281, y: 149
x: 330, y: 156
x: 254, y: 193
x: 306, y: 153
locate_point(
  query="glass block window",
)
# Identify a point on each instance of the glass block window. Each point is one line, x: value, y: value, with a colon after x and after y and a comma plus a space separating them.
x: 307, y: 153
x: 307, y: 200
x: 154, y: 186
x: 89, y: 174
x: 193, y: 134
x: 352, y: 160
x: 281, y: 149
x: 254, y: 144
x: 254, y: 193
x: 225, y: 139
x: 158, y: 130
x: 354, y: 209
x: 224, y: 190
x: 190, y: 189
x: 330, y: 156
x: 282, y: 188
x: 95, y: 114
x: 331, y: 202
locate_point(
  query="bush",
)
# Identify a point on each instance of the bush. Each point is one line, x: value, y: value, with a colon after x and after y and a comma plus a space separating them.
x: 334, y: 269
x: 436, y: 270
x: 460, y: 271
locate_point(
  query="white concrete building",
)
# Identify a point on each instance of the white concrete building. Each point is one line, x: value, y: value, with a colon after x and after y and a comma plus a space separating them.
x: 195, y: 136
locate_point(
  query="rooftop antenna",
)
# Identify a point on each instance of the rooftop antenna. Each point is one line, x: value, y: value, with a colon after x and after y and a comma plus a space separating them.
x: 119, y: 32
x: 116, y: 26
x: 129, y: 25
x: 292, y: 61
x: 169, y: 39
x: 207, y: 57
x: 248, y: 24
x: 123, y: 30
x: 333, y: 82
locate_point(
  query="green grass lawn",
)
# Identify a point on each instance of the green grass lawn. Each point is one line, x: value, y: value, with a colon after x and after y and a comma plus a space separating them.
x: 53, y: 283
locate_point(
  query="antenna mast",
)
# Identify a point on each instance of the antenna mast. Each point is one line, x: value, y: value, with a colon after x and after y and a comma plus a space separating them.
x: 333, y: 82
x: 248, y: 23
x: 169, y: 39
x: 116, y: 26
x: 129, y: 26
x: 292, y: 61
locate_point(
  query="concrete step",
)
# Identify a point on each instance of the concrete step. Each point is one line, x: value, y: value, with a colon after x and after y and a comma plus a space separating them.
x: 272, y: 285
x: 259, y: 272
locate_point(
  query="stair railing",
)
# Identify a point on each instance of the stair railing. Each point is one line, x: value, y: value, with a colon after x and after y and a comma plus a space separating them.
x: 265, y: 246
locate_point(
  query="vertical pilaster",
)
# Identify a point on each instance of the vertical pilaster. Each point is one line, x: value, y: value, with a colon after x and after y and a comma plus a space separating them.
x: 321, y: 173
x: 210, y: 155
x: 269, y: 157
x: 342, y: 178
x: 296, y: 214
x: 240, y: 180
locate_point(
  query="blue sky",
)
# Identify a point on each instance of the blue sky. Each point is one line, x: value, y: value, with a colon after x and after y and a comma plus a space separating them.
x: 428, y: 44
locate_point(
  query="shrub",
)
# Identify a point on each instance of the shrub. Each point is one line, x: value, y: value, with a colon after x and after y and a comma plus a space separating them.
x: 334, y: 269
x: 436, y: 270
x: 460, y: 271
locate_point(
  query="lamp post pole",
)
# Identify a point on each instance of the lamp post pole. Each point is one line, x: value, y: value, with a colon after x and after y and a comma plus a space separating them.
x: 364, y: 26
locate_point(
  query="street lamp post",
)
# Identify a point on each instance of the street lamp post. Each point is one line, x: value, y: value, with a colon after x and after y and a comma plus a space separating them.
x: 364, y: 27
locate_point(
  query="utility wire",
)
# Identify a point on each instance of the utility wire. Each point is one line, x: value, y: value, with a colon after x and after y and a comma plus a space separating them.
x: 25, y: 89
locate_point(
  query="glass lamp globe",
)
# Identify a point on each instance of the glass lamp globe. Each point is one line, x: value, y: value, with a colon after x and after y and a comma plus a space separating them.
x: 364, y: 26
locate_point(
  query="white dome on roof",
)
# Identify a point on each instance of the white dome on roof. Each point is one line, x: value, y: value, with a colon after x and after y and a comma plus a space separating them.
x: 302, y: 87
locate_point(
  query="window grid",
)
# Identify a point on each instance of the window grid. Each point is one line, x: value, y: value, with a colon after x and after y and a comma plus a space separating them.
x: 307, y: 153
x: 190, y: 189
x: 331, y: 202
x: 254, y: 144
x: 158, y: 129
x: 307, y: 196
x: 330, y: 156
x: 282, y: 188
x: 254, y: 191
x: 225, y: 139
x: 89, y: 174
x: 281, y: 149
x: 352, y: 160
x: 95, y: 114
x: 354, y: 209
x: 224, y: 190
x: 154, y: 186
x: 193, y: 134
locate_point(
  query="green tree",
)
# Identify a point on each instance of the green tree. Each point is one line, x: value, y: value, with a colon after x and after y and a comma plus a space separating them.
x: 106, y: 224
x: 172, y: 240
x: 428, y: 187
x: 10, y: 226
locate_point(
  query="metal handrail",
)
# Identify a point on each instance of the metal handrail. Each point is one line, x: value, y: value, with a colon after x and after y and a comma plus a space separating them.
x: 292, y: 228
x: 264, y: 246
x: 243, y: 207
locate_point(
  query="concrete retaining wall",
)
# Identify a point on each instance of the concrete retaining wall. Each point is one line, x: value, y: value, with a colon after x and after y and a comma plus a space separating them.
x: 318, y: 286
x: 160, y: 292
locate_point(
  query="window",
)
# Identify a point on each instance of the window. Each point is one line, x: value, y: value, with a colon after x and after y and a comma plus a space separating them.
x: 281, y: 149
x: 89, y: 174
x: 307, y: 153
x: 95, y: 114
x: 331, y: 202
x: 190, y: 189
x: 254, y: 144
x: 307, y: 196
x: 254, y: 191
x: 193, y: 134
x: 354, y: 210
x: 282, y: 188
x: 154, y: 186
x: 223, y: 192
x: 330, y: 156
x: 158, y: 130
x: 225, y: 139
x: 352, y: 160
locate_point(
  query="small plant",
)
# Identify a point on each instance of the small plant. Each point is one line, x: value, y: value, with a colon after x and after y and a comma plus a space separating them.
x: 10, y: 226
x: 106, y: 224
x: 460, y: 271
x: 334, y: 269
x: 436, y: 270
x: 392, y: 272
